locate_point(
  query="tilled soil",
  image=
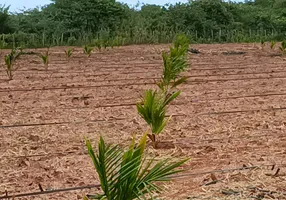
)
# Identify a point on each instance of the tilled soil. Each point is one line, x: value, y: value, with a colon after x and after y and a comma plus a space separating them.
x: 230, y: 115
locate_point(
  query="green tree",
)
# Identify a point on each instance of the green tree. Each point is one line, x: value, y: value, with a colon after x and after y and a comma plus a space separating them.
x: 4, y: 20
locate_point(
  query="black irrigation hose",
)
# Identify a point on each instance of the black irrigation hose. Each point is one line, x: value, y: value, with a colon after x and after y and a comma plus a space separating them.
x: 133, y: 84
x: 73, y: 87
x: 154, y: 78
x: 133, y: 104
x: 79, y: 153
x: 172, y: 177
x: 59, y: 123
x: 49, y: 191
x: 140, y: 65
x: 117, y: 119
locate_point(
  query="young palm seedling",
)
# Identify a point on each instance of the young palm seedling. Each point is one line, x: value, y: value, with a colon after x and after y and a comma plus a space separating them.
x: 127, y: 175
x: 98, y: 44
x: 283, y: 47
x: 154, y: 104
x: 45, y: 59
x: 105, y: 44
x: 87, y: 50
x: 262, y: 42
x: 153, y: 110
x: 272, y: 45
x: 68, y: 53
x: 10, y: 60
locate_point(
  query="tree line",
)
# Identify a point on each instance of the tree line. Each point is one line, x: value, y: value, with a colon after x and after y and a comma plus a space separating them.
x: 72, y: 22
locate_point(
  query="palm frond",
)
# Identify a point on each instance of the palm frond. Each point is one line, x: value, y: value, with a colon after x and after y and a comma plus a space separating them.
x: 129, y: 176
x: 87, y: 50
x: 273, y: 43
x: 179, y: 82
x: 69, y: 53
x: 174, y: 63
x: 181, y: 41
x: 153, y: 110
x: 10, y: 60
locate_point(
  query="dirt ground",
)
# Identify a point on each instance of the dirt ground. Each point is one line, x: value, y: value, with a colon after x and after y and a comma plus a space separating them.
x: 231, y: 114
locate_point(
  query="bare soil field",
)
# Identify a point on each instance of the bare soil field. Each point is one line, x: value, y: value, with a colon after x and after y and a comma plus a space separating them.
x: 231, y: 115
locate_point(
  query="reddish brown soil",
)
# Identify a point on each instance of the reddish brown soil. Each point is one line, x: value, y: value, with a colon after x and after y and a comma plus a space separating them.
x: 231, y: 114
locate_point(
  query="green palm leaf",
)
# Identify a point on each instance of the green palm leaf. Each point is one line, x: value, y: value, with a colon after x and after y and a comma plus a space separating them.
x: 153, y: 110
x: 128, y: 175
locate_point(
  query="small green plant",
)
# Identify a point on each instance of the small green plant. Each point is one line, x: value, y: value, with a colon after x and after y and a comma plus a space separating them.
x: 45, y: 59
x: 175, y: 63
x: 153, y: 108
x: 68, y: 53
x: 154, y: 104
x: 283, y: 47
x: 105, y: 44
x: 117, y: 41
x: 10, y: 60
x: 21, y: 49
x: 127, y: 175
x: 98, y: 44
x: 87, y: 50
x: 272, y: 45
x: 262, y: 42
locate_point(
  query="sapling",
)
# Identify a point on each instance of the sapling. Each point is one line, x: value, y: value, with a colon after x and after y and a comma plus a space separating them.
x: 68, y: 53
x: 262, y: 42
x: 10, y: 60
x: 87, y: 50
x: 127, y: 174
x: 174, y: 63
x: 283, y: 47
x: 98, y: 44
x: 153, y: 109
x: 272, y: 45
x: 153, y: 105
x: 105, y: 44
x: 45, y: 59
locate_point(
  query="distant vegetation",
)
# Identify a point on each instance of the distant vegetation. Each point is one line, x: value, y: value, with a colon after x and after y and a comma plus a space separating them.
x: 110, y: 23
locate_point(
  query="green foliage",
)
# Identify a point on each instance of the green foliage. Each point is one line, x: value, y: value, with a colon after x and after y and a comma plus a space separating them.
x: 262, y: 42
x: 72, y: 22
x: 45, y: 59
x: 153, y: 106
x: 283, y: 47
x: 272, y: 45
x: 87, y: 50
x: 98, y: 44
x: 175, y: 63
x: 10, y: 60
x: 181, y: 41
x: 126, y: 175
x: 5, y: 26
x: 152, y: 109
x: 68, y: 53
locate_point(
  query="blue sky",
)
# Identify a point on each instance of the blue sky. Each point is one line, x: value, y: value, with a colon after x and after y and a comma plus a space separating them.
x: 20, y: 4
